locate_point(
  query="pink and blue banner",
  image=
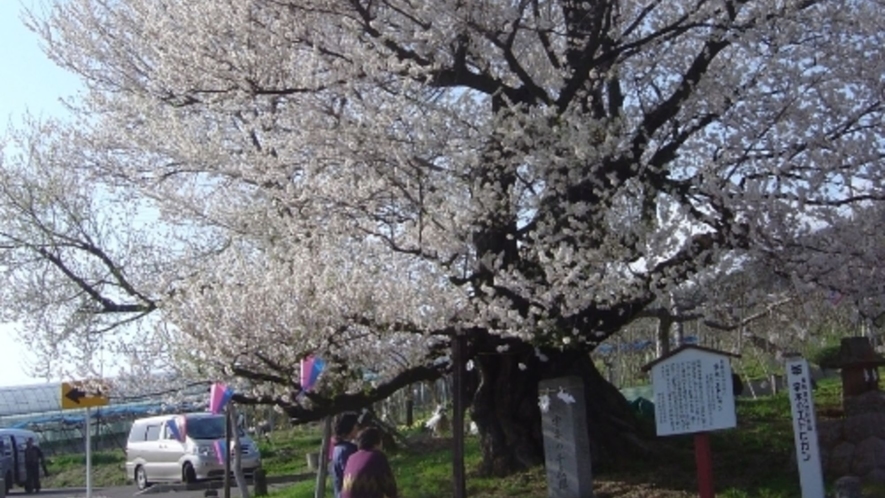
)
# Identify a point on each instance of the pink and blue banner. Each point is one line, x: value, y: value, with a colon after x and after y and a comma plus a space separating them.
x: 178, y: 427
x: 219, y: 395
x: 311, y: 368
x: 221, y: 452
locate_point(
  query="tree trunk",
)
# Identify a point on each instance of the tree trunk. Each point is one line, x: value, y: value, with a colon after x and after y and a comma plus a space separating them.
x: 663, y: 336
x: 505, y: 408
x: 678, y: 327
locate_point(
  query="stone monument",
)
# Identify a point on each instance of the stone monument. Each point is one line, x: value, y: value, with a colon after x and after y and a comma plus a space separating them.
x: 859, y: 366
x: 854, y: 446
x: 566, y: 440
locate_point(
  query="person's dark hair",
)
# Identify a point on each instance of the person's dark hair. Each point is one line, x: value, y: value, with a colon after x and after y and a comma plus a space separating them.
x: 346, y: 423
x: 369, y: 439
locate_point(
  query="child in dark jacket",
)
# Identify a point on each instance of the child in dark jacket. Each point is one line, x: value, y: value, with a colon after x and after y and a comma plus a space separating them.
x: 346, y: 428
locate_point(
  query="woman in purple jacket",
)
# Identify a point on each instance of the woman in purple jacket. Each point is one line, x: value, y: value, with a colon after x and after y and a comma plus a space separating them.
x: 368, y: 473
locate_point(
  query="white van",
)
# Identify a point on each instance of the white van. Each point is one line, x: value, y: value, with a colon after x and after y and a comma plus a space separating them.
x: 12, y: 455
x: 153, y: 454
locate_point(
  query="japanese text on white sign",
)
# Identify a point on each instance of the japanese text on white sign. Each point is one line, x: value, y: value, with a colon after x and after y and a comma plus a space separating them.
x: 804, y: 428
x: 693, y: 393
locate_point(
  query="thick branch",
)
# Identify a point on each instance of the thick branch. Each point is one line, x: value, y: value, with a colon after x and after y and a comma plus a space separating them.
x: 328, y: 406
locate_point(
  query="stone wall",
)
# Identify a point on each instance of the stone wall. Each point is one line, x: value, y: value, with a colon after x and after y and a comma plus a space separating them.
x: 855, y: 445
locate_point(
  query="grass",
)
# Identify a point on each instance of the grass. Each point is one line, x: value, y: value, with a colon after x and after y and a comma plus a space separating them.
x: 284, y: 452
x: 753, y: 460
x: 65, y: 471
x: 430, y: 476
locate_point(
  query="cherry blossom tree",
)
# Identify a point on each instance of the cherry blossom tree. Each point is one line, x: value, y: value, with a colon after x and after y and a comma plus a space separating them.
x: 365, y: 179
x: 75, y: 271
x: 841, y: 260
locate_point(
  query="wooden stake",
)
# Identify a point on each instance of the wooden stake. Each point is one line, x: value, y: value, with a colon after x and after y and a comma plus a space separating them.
x: 458, y: 367
x: 320, y: 489
x: 704, y: 461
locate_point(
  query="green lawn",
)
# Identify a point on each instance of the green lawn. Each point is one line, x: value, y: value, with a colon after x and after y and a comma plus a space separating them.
x: 108, y: 469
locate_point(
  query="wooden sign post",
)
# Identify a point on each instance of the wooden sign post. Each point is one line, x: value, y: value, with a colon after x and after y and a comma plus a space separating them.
x: 694, y: 394
x: 703, y: 458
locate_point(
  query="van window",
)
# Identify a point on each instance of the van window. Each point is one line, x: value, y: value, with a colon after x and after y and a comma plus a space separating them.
x: 206, y: 427
x: 153, y: 433
x: 167, y: 434
x: 137, y: 434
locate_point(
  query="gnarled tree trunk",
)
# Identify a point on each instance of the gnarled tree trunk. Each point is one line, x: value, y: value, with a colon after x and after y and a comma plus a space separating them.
x: 506, y: 411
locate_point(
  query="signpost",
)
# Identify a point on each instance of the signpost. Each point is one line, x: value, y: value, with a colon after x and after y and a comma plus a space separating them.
x: 804, y: 428
x: 76, y: 395
x: 694, y: 394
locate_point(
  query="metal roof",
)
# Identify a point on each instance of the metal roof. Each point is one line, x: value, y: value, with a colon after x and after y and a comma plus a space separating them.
x: 45, y: 398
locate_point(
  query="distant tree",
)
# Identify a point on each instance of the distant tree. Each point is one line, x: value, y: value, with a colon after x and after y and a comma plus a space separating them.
x: 364, y: 179
x: 844, y: 259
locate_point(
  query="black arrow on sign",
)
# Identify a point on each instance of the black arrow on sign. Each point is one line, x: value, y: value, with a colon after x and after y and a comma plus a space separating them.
x: 75, y: 395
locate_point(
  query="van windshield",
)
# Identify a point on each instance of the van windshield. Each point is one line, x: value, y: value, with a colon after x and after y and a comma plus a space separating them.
x: 207, y: 428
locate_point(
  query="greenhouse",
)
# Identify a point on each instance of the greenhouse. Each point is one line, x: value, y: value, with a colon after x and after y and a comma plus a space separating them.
x: 38, y: 408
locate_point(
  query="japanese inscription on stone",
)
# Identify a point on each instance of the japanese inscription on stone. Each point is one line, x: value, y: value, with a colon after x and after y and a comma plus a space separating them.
x: 693, y: 393
x: 566, y: 440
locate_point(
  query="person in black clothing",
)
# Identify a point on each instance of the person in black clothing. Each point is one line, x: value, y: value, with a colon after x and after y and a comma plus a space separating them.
x: 346, y: 428
x: 33, y: 461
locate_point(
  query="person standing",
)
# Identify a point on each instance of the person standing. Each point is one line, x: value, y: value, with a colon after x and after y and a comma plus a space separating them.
x: 346, y: 429
x: 368, y: 473
x: 33, y: 461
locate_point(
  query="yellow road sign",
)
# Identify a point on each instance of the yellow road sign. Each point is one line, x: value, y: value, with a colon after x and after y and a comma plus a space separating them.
x: 81, y: 395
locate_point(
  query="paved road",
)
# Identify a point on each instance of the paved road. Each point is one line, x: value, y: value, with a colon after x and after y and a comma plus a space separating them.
x: 114, y: 492
x: 159, y: 491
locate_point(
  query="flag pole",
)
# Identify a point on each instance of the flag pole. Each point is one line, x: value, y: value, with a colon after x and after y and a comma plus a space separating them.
x: 88, y: 453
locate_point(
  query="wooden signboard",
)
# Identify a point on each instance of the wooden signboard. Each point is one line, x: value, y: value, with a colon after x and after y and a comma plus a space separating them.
x: 693, y: 392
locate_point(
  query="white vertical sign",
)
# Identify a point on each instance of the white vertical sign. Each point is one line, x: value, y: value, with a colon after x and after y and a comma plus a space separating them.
x: 804, y: 428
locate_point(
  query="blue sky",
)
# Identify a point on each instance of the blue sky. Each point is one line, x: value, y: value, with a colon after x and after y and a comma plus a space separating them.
x: 29, y: 83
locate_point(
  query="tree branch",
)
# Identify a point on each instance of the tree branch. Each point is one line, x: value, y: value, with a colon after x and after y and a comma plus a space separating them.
x: 329, y: 406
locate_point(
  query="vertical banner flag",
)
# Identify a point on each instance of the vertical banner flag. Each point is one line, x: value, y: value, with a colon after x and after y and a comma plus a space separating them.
x: 219, y: 395
x: 311, y: 367
x: 221, y: 452
x: 178, y: 427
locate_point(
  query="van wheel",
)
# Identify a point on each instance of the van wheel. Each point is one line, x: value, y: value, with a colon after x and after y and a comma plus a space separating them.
x: 188, y: 473
x: 141, y: 479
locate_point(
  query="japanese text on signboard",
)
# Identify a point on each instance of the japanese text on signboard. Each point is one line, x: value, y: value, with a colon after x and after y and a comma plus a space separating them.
x: 805, y: 435
x: 693, y: 394
x: 805, y: 428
